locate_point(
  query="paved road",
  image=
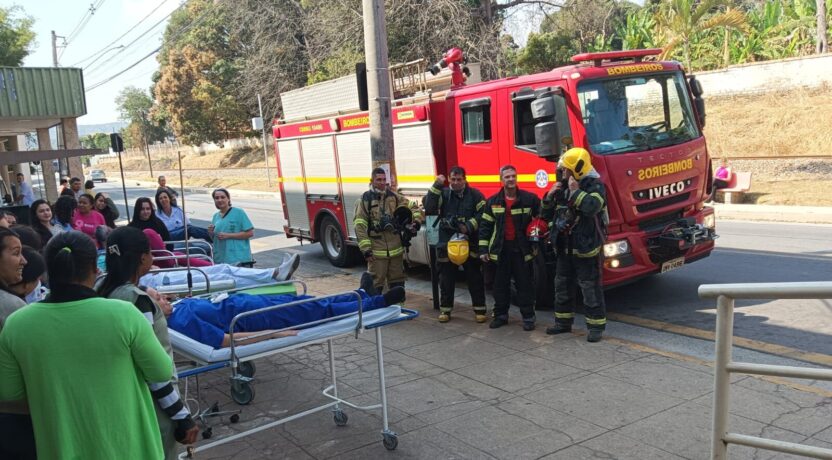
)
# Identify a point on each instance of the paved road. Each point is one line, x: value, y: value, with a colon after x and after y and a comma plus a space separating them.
x: 746, y: 252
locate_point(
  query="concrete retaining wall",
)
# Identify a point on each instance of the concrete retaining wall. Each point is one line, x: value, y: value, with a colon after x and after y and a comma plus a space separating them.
x: 761, y: 77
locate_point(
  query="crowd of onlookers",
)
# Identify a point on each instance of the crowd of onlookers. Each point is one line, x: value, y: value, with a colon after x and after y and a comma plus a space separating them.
x: 80, y: 370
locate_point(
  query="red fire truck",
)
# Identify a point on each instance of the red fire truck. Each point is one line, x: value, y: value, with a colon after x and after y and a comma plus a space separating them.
x: 641, y: 120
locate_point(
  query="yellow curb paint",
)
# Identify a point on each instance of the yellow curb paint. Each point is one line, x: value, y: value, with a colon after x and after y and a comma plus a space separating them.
x: 756, y: 345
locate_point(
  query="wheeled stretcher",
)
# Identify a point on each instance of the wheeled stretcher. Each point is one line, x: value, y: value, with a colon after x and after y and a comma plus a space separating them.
x: 239, y: 357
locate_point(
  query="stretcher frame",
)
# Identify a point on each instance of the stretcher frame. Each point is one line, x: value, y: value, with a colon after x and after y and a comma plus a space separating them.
x: 240, y: 381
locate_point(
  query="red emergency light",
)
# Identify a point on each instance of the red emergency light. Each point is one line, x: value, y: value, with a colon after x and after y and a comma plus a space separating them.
x: 636, y: 55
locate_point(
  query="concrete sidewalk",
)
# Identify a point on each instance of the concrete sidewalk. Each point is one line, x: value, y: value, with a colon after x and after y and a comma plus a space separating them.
x: 461, y: 390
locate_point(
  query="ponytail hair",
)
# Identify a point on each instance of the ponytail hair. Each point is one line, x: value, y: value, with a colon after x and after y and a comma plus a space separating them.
x: 125, y: 247
x: 70, y: 259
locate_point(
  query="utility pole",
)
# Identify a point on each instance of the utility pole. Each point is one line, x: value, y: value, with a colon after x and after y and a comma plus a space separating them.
x: 265, y: 149
x: 144, y: 137
x: 378, y: 87
x: 54, y: 49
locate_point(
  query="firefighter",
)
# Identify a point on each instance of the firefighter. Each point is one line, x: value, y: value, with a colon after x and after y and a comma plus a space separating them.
x: 576, y: 205
x: 457, y: 207
x: 382, y: 233
x: 502, y: 240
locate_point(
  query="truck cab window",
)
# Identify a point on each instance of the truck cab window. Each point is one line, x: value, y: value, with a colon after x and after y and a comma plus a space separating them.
x: 476, y: 121
x: 524, y: 124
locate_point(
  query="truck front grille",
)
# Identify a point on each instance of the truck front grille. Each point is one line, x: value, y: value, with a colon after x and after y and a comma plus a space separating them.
x: 663, y: 202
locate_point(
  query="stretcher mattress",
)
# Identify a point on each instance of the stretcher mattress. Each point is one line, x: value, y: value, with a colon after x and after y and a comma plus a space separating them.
x: 205, y: 354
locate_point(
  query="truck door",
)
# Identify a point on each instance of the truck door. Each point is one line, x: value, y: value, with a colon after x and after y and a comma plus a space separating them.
x: 535, y: 174
x: 476, y: 140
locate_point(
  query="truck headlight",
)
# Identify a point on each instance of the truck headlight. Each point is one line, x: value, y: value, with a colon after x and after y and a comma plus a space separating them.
x: 709, y: 221
x: 616, y: 248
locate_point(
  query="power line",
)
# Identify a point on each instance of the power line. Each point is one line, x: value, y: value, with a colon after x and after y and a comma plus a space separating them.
x: 104, y: 48
x: 84, y: 21
x: 123, y: 49
x: 172, y: 39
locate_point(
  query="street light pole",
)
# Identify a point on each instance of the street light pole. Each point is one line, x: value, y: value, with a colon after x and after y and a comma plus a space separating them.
x: 378, y: 88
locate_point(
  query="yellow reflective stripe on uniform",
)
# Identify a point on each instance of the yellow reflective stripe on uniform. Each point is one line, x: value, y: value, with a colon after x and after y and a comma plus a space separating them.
x: 596, y: 322
x: 483, y: 243
x: 473, y: 223
x: 498, y: 209
x: 480, y: 205
x: 528, y: 257
x: 564, y: 315
x: 585, y: 255
x: 488, y: 217
x: 390, y: 253
x: 580, y: 197
x: 492, y: 256
x: 359, y: 221
x: 598, y: 197
x: 517, y: 211
x: 365, y: 245
x: 435, y: 190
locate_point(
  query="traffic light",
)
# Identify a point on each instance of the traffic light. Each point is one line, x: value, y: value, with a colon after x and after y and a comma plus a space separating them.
x: 116, y: 143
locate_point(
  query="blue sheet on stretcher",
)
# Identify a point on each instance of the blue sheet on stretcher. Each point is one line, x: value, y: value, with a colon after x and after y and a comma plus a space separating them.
x: 203, y: 353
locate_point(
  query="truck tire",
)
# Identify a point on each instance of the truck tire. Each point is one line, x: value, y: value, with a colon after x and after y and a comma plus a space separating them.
x: 334, y: 244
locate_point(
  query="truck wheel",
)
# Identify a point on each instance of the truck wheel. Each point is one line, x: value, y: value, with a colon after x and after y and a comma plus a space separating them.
x: 334, y: 244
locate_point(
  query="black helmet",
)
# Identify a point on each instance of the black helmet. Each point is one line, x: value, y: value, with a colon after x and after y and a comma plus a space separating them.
x: 402, y: 216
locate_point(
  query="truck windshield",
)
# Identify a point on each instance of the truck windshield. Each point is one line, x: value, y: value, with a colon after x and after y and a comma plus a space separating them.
x: 638, y: 113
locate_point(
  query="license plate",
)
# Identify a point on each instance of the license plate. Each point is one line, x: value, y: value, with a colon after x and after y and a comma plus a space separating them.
x: 673, y: 264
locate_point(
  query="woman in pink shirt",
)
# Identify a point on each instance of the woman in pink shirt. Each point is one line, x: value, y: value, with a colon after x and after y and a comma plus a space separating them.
x: 722, y: 177
x: 86, y: 219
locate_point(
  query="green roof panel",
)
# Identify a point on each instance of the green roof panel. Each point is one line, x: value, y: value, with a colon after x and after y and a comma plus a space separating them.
x: 41, y: 92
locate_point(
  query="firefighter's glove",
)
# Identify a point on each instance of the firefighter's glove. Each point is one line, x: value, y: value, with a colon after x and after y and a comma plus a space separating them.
x: 414, y: 227
x: 462, y: 228
x: 368, y: 255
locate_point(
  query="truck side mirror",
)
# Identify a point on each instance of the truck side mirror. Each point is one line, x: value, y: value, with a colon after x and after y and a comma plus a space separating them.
x: 699, y: 103
x: 547, y: 140
x: 546, y: 133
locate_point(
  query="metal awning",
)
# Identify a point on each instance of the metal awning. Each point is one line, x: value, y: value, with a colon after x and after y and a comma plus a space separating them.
x: 13, y: 157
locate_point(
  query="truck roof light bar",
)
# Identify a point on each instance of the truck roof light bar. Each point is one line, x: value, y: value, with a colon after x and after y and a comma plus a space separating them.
x: 599, y: 58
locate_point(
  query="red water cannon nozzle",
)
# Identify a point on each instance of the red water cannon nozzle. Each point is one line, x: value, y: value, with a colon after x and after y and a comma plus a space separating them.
x: 455, y: 59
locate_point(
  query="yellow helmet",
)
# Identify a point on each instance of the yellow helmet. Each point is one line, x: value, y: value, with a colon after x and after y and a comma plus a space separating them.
x: 576, y: 160
x: 458, y: 250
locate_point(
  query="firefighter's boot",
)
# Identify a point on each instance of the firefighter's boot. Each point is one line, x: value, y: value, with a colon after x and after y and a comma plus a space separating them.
x: 559, y: 328
x: 479, y: 314
x: 594, y: 335
x: 444, y: 316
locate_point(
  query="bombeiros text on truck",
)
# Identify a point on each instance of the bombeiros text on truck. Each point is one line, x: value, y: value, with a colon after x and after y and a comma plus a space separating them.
x: 641, y: 120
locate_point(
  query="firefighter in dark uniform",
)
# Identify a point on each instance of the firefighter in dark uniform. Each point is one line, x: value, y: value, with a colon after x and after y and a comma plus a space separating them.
x: 576, y: 205
x: 380, y: 234
x: 457, y: 208
x: 502, y: 240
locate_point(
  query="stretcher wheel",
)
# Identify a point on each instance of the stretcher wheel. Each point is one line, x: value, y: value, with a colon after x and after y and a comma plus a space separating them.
x: 340, y: 418
x: 234, y: 418
x: 207, y: 433
x: 242, y: 393
x: 390, y: 441
x: 246, y: 369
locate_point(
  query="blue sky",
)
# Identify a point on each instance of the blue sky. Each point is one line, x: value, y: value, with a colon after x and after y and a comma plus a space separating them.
x: 112, y: 19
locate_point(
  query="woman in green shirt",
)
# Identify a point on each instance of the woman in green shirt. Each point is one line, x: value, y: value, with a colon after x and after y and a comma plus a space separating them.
x: 81, y: 364
x: 128, y: 259
x: 231, y: 230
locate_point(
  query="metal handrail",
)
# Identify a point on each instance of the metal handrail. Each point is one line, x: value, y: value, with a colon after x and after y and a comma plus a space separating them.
x: 724, y: 366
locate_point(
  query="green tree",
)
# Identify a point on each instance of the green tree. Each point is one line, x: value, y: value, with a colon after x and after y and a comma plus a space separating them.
x: 96, y: 141
x: 679, y: 22
x: 137, y: 108
x: 199, y: 67
x: 545, y: 51
x: 16, y: 36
